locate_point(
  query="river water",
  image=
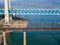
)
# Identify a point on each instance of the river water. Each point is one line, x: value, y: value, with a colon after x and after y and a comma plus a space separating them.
x: 35, y: 38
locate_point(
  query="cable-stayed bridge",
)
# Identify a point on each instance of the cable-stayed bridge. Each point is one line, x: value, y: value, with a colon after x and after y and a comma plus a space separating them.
x: 32, y: 11
x: 8, y: 24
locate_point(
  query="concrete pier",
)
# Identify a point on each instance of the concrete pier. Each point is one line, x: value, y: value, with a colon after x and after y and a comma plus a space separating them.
x: 1, y: 38
x: 4, y: 38
x: 24, y: 37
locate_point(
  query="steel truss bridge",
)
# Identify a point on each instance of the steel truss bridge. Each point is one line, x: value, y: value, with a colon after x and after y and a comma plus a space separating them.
x: 32, y: 11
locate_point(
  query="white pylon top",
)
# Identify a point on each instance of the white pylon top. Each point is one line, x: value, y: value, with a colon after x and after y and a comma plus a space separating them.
x: 6, y: 11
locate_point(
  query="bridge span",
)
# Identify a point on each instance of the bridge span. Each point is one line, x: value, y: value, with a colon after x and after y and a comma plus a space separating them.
x: 32, y: 11
x: 19, y: 29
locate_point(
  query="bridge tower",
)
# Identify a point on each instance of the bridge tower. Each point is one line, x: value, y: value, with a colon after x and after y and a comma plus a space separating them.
x: 9, y: 4
x: 7, y: 21
x: 6, y: 11
x: 9, y: 7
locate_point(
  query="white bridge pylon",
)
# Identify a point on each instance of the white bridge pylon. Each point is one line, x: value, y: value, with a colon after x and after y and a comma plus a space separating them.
x: 6, y: 11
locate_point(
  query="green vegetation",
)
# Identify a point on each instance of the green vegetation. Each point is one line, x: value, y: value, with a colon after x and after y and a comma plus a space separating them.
x: 1, y: 25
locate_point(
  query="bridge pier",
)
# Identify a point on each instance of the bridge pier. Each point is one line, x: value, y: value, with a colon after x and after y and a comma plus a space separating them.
x: 1, y: 38
x: 4, y: 38
x: 24, y: 38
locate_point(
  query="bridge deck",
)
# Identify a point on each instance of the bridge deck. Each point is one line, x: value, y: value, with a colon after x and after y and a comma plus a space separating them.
x: 9, y: 29
x: 33, y: 11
